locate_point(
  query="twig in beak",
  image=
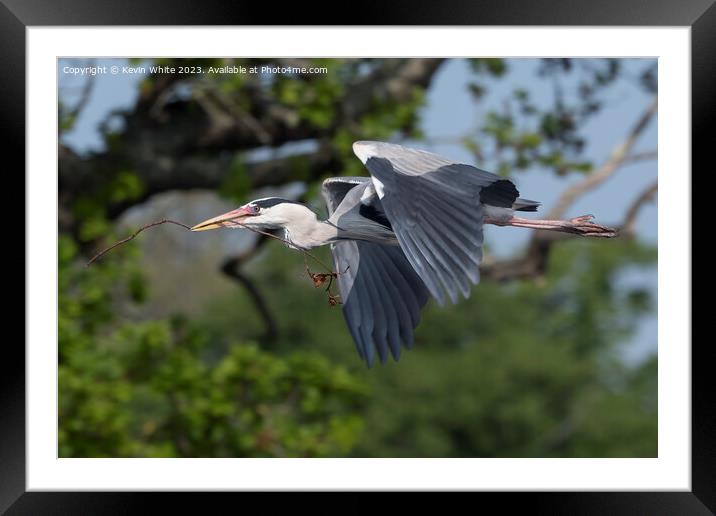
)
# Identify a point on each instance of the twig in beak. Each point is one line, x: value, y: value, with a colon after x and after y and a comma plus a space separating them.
x: 318, y: 278
x: 132, y: 237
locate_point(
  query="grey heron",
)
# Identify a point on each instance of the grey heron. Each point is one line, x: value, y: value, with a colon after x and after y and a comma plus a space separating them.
x: 412, y: 230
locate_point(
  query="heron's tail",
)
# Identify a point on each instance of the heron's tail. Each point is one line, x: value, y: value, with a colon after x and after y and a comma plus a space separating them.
x: 521, y: 204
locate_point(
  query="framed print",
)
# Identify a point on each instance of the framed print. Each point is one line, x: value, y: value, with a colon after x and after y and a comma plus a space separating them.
x: 473, y: 288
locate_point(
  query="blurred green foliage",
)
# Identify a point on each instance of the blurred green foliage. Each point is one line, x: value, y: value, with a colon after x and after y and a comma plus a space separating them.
x: 522, y: 369
x: 159, y: 389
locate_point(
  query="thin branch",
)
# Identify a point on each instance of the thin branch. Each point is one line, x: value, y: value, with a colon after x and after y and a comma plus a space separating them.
x: 618, y: 157
x: 223, y: 113
x: 533, y: 264
x: 168, y: 221
x: 641, y: 156
x: 132, y: 237
x: 232, y: 268
x: 630, y: 218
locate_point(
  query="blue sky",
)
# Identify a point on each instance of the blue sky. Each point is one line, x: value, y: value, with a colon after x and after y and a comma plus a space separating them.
x: 450, y: 113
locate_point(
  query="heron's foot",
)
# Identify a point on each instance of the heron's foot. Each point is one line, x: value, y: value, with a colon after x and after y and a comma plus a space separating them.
x: 584, y: 226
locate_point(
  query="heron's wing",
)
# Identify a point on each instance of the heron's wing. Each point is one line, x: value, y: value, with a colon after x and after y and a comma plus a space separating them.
x: 382, y: 297
x: 381, y: 293
x: 435, y: 209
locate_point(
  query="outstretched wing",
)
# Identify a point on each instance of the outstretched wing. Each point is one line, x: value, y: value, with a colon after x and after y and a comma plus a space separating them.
x: 435, y: 209
x: 382, y: 294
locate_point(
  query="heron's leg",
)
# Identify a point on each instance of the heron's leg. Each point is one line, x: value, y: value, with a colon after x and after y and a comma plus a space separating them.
x: 578, y: 225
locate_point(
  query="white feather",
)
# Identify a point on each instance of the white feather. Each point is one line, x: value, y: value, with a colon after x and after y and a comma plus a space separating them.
x: 379, y: 187
x: 364, y: 151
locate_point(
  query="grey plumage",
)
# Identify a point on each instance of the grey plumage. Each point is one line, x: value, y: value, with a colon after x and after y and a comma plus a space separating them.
x: 381, y: 292
x: 435, y: 210
x: 413, y: 228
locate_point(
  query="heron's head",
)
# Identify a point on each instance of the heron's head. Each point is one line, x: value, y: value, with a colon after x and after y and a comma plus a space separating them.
x: 267, y: 213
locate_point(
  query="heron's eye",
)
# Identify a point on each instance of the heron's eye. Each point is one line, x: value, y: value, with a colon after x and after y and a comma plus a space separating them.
x: 254, y: 209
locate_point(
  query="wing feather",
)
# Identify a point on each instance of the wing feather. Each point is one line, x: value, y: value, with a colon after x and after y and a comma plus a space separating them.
x: 435, y: 210
x: 374, y: 296
x: 365, y: 323
x: 395, y: 311
x: 381, y: 292
x: 382, y: 299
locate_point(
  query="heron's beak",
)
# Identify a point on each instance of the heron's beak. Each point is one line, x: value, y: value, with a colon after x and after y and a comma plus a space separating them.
x: 222, y: 220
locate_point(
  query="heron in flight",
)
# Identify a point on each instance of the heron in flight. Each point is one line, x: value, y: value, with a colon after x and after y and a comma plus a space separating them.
x: 412, y: 230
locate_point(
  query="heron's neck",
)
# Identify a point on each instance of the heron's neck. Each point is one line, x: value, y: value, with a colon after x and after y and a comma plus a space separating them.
x: 310, y: 232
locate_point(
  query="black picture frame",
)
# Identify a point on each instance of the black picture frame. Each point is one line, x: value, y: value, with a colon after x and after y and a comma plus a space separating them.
x: 17, y: 15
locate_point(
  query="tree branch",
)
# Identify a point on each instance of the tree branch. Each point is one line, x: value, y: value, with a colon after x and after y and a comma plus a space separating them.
x: 185, y: 145
x: 641, y: 156
x: 533, y: 264
x: 630, y: 218
x: 617, y: 158
x: 232, y: 268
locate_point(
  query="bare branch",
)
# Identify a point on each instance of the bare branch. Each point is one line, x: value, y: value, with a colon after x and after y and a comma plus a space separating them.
x: 618, y: 157
x: 630, y: 218
x: 132, y: 237
x: 307, y: 254
x: 533, y: 264
x: 641, y: 156
x: 232, y: 268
